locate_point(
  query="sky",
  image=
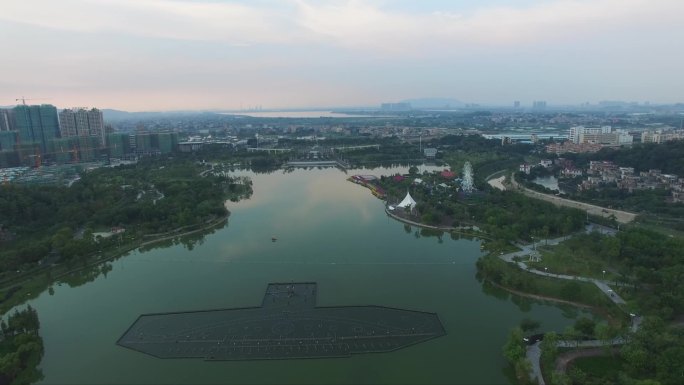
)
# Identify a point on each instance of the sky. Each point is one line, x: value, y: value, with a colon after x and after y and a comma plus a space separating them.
x: 154, y: 55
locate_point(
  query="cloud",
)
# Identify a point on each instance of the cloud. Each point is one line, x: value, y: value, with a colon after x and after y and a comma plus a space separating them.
x: 352, y: 24
x: 173, y: 19
x: 359, y: 24
x: 206, y: 53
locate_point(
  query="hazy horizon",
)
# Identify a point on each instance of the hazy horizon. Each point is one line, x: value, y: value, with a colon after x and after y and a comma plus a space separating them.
x: 157, y: 55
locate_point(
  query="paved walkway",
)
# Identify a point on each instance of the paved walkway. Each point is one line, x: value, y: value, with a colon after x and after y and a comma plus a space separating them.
x: 533, y: 353
x: 527, y: 250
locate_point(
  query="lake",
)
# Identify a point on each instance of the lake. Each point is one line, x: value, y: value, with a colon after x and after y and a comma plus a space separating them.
x: 330, y: 231
x: 549, y: 182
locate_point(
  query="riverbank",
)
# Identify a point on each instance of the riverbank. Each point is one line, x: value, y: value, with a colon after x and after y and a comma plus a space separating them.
x: 32, y: 283
x: 543, y: 297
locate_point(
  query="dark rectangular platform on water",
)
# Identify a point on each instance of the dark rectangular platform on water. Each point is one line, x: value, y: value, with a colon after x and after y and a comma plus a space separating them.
x: 287, y: 325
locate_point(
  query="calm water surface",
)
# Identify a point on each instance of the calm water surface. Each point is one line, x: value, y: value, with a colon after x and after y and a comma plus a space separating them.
x: 549, y: 182
x: 330, y: 231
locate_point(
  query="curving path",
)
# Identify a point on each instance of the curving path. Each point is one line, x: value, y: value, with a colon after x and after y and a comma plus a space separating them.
x: 529, y: 249
x: 533, y: 353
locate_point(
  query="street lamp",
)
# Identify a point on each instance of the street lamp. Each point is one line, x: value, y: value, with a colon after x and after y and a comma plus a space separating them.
x: 604, y: 274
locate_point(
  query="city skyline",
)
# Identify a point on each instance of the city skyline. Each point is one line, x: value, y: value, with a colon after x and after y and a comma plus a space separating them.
x: 183, y: 54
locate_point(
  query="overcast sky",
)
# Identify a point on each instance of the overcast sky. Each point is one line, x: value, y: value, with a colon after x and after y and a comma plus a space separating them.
x: 198, y: 54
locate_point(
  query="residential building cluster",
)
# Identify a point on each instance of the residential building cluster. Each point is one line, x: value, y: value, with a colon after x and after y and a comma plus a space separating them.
x: 603, y: 173
x: 606, y: 172
x: 604, y: 135
x: 661, y: 136
x: 567, y: 167
x: 591, y: 139
x: 31, y: 135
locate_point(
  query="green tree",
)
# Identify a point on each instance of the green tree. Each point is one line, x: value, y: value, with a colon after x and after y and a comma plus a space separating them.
x: 523, y: 368
x: 549, y: 349
x: 605, y: 332
x: 572, y: 334
x: 514, y: 349
x: 670, y: 366
x: 585, y: 326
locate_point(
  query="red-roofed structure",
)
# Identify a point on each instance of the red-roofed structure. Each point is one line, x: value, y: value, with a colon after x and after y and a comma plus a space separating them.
x: 446, y: 174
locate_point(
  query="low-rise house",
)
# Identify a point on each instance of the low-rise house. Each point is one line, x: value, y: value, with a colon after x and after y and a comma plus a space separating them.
x: 572, y: 172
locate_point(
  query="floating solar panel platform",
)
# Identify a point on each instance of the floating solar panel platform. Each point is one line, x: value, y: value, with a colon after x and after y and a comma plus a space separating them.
x: 288, y: 325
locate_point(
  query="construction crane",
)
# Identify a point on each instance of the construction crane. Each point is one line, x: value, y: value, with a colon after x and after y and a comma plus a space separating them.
x: 23, y: 99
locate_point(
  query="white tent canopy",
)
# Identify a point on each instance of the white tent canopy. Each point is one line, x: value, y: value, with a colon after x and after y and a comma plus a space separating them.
x: 407, y: 202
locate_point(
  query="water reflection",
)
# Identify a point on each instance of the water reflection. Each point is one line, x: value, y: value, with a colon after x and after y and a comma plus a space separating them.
x: 328, y: 230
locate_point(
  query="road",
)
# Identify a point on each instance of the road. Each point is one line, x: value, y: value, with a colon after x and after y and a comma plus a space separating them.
x: 620, y: 216
x: 533, y: 353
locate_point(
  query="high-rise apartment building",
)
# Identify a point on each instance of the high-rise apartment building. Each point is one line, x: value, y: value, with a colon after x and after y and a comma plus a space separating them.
x: 82, y: 122
x: 6, y: 120
x: 36, y: 125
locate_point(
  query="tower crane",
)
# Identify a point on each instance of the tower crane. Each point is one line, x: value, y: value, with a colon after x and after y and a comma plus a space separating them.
x: 23, y: 99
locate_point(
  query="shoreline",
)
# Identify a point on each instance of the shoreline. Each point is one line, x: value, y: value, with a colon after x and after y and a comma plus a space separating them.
x: 543, y: 297
x: 447, y: 229
x: 162, y: 237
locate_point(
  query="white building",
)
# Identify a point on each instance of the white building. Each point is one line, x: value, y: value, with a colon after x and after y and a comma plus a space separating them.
x: 600, y: 135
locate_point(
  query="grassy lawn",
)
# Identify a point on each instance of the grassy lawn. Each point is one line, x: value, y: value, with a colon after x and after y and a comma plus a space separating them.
x: 562, y: 259
x: 661, y: 227
x: 599, y: 366
x: 582, y: 292
x: 510, y: 276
